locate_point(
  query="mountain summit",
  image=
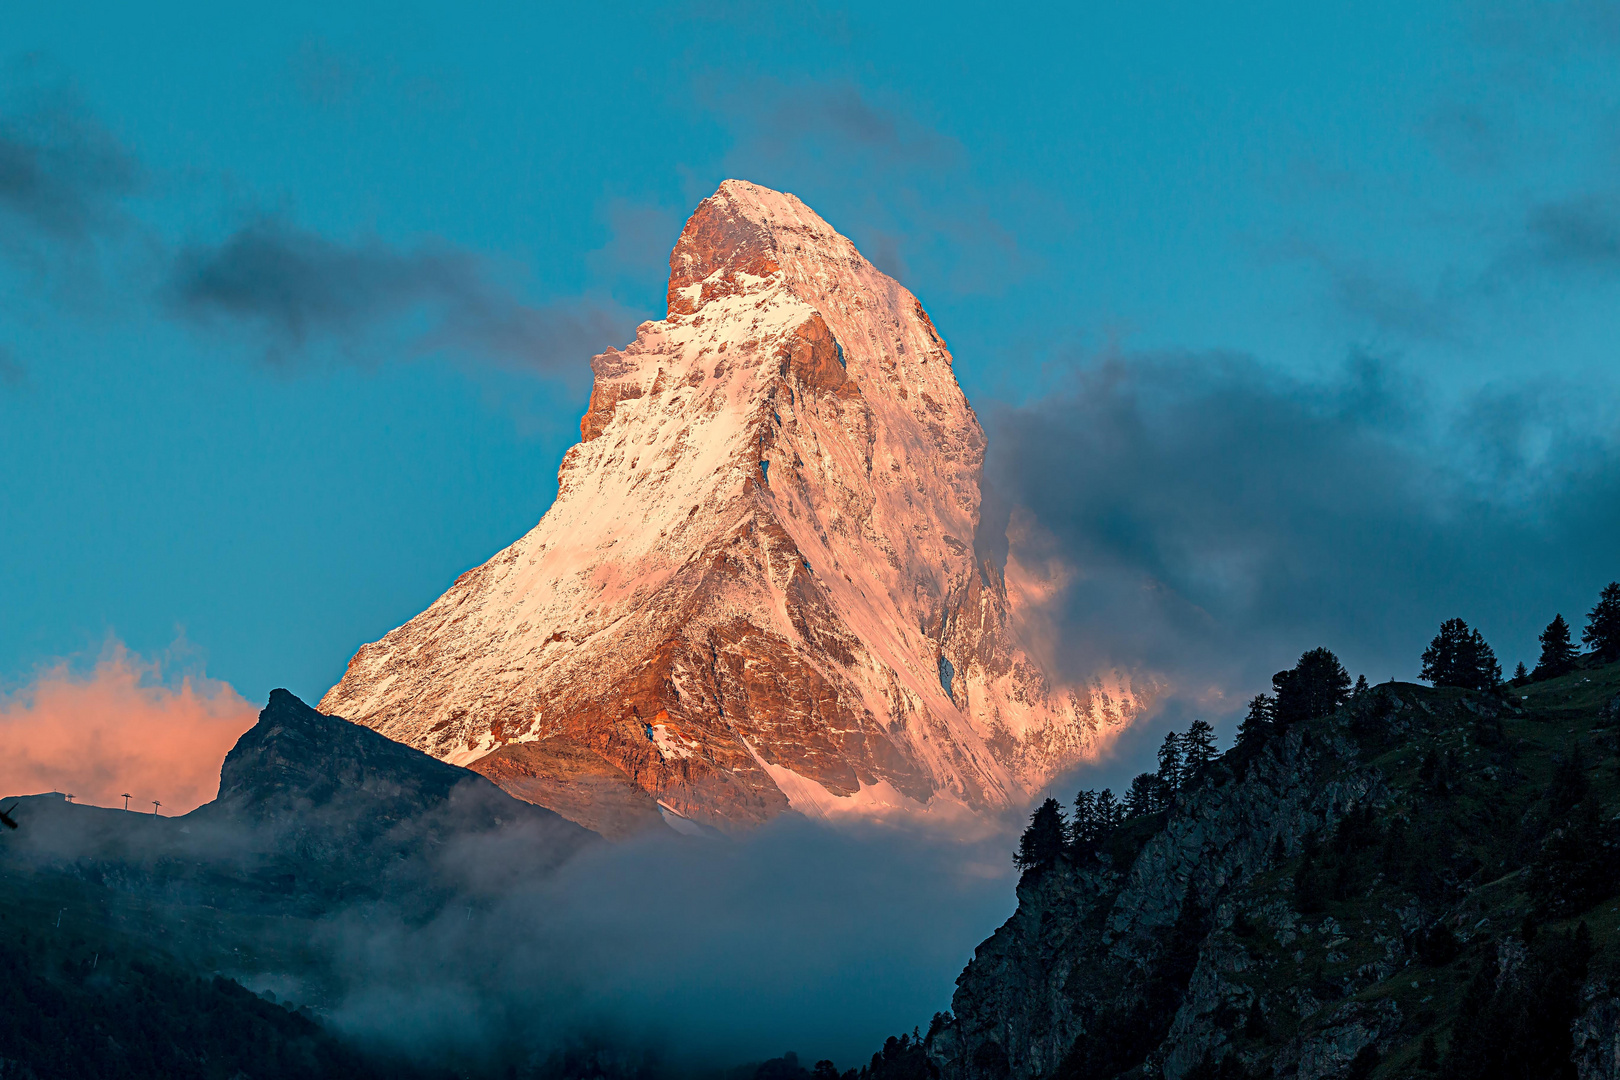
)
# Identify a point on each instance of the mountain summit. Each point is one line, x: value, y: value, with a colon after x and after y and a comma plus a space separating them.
x: 757, y: 587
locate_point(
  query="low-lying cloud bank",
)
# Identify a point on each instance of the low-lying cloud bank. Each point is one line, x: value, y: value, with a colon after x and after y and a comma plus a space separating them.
x: 119, y: 728
x: 1209, y: 518
x: 687, y: 953
x: 679, y: 954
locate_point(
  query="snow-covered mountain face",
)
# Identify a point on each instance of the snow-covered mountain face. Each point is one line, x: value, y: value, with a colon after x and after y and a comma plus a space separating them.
x: 757, y: 587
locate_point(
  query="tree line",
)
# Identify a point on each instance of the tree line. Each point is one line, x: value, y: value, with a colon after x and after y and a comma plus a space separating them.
x: 1459, y: 655
x: 1315, y: 687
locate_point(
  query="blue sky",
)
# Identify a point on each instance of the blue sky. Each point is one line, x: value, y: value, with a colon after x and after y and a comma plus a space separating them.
x: 1397, y: 226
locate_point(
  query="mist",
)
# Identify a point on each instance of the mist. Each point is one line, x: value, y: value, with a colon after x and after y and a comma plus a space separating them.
x: 696, y: 952
x: 479, y: 933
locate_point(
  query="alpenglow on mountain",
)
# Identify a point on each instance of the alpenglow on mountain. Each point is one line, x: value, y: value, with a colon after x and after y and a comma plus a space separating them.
x: 757, y: 586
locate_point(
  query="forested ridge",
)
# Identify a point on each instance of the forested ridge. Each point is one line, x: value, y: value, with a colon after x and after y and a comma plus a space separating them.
x: 1386, y: 880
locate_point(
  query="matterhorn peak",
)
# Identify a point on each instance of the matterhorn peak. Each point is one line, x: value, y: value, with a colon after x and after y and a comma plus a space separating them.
x: 756, y: 590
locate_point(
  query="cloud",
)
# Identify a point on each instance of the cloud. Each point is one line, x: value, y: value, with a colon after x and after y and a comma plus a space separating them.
x: 643, y: 234
x: 62, y: 176
x: 1217, y: 518
x: 837, y: 118
x: 119, y: 729
x: 1579, y: 233
x: 910, y: 195
x: 302, y: 293
x: 697, y: 952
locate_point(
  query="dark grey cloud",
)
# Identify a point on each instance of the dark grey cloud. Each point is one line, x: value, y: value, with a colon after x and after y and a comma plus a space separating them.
x: 1380, y: 296
x: 709, y: 952
x: 840, y: 116
x: 62, y: 176
x: 304, y: 294
x: 769, y: 24
x: 1577, y: 233
x: 1534, y: 253
x: 642, y: 236
x: 1219, y: 518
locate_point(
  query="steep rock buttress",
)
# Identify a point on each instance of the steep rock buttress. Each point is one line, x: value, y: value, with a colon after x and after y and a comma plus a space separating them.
x: 757, y: 585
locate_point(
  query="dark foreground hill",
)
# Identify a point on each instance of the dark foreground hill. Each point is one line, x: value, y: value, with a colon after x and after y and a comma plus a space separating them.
x: 1421, y: 884
x: 122, y: 935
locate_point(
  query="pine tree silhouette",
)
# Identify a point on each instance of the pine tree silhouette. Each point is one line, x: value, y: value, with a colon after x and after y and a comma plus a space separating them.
x: 1170, y: 764
x: 1314, y: 688
x: 1558, y: 653
x: 1602, y: 633
x: 1197, y: 750
x: 1043, y: 842
x: 1257, y: 724
x: 1459, y: 656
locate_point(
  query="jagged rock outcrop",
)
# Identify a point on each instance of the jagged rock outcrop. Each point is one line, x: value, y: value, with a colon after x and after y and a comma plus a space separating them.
x: 1597, y: 1039
x: 1085, y: 958
x: 757, y: 586
x: 334, y: 793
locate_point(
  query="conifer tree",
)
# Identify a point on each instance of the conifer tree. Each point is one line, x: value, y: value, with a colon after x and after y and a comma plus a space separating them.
x: 1487, y: 671
x: 1257, y: 724
x: 1170, y: 763
x: 1110, y: 814
x: 1361, y: 686
x: 1143, y: 798
x: 1197, y: 750
x: 1602, y: 633
x: 1083, y: 830
x: 1314, y: 688
x: 1558, y: 653
x: 1459, y: 656
x: 1520, y: 676
x: 1043, y: 841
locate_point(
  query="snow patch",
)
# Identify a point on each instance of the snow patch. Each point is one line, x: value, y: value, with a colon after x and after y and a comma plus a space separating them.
x: 679, y: 821
x: 670, y: 744
x: 808, y: 797
x: 487, y: 744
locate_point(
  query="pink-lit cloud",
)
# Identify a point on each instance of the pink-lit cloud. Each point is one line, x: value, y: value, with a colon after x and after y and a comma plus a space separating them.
x: 117, y: 729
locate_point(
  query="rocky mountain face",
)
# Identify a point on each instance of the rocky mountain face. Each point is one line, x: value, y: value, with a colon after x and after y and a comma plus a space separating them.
x: 328, y: 792
x: 312, y: 812
x: 757, y: 587
x: 1421, y: 884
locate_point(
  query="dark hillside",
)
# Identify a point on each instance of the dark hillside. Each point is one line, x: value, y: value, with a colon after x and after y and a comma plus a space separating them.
x: 1422, y: 883
x: 122, y: 934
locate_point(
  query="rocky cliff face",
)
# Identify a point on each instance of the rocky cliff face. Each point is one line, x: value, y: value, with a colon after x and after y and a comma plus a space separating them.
x: 1116, y: 958
x: 1421, y: 884
x: 757, y: 587
x: 331, y: 793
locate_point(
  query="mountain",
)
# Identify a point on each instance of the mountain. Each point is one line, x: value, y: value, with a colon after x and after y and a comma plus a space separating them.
x: 123, y: 935
x: 332, y: 793
x: 1421, y: 884
x: 757, y: 588
x: 313, y: 814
